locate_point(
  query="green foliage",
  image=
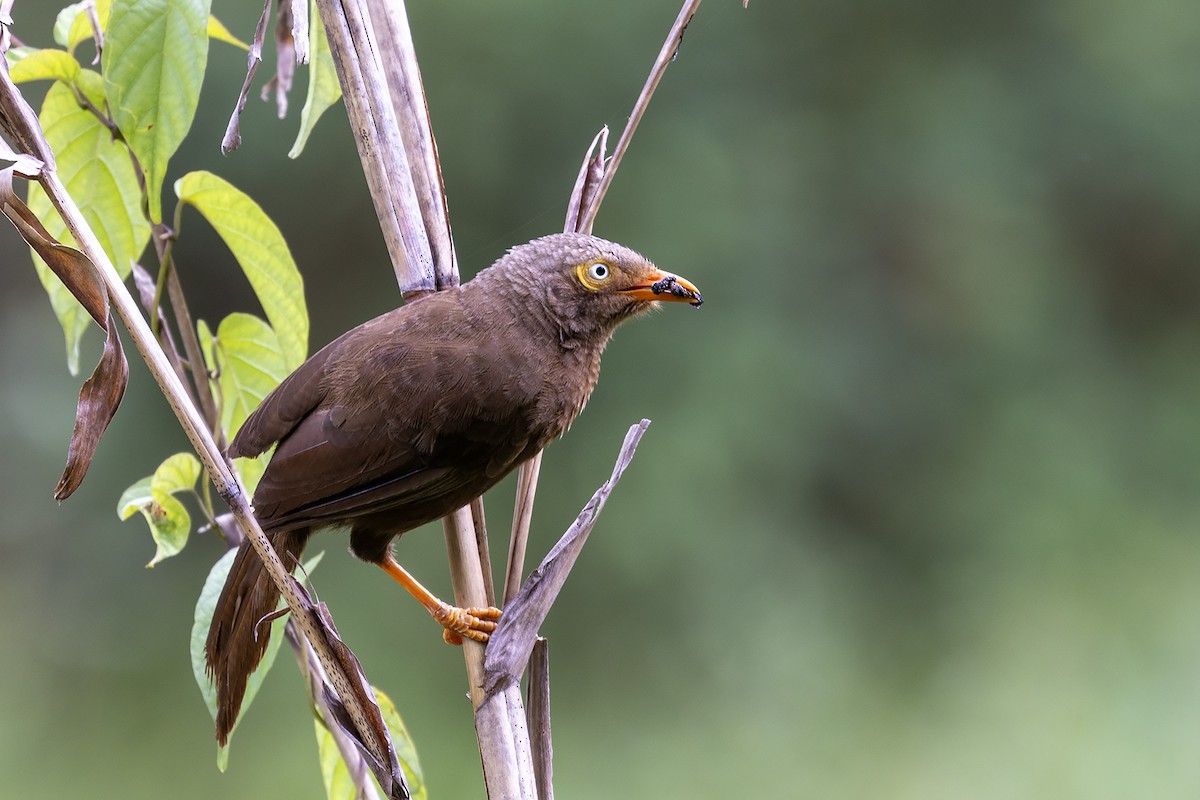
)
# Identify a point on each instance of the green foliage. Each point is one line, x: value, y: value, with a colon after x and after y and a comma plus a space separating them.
x: 218, y: 31
x: 153, y: 64
x: 323, y: 87
x: 251, y: 364
x: 153, y: 496
x: 261, y: 252
x: 40, y: 65
x: 73, y: 25
x: 339, y: 785
x: 98, y: 174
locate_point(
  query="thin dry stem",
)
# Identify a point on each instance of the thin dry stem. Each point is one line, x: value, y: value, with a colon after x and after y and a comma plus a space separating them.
x: 665, y: 56
x: 518, y: 541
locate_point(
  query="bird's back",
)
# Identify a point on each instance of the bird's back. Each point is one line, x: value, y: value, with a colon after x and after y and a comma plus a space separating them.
x: 405, y: 418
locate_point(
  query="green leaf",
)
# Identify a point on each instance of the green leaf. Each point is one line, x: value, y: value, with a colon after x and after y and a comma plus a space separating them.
x: 251, y: 364
x: 204, y: 334
x: 323, y: 86
x: 251, y: 469
x: 43, y: 65
x: 259, y: 248
x: 134, y: 498
x: 169, y: 521
x: 170, y: 524
x: 81, y: 27
x: 100, y: 178
x: 66, y: 20
x: 15, y: 54
x: 339, y: 785
x: 206, y: 605
x: 406, y: 750
x: 177, y: 474
x: 216, y: 30
x: 154, y: 59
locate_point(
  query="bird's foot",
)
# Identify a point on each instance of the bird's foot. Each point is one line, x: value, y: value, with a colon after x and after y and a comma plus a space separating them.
x: 473, y: 623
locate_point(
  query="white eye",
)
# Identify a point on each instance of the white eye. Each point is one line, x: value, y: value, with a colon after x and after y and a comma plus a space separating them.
x: 598, y: 271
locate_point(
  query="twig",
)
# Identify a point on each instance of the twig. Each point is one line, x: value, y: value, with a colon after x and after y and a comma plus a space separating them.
x: 314, y: 673
x: 518, y: 540
x: 665, y: 56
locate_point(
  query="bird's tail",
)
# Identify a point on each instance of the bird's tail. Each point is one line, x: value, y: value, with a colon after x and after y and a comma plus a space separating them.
x: 236, y: 640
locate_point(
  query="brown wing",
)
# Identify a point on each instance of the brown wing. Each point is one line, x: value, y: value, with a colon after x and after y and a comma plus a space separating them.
x: 409, y: 415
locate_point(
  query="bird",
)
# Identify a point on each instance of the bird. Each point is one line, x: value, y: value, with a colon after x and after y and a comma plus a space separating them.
x: 419, y: 411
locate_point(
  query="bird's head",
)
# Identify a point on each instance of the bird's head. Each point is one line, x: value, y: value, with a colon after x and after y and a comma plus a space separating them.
x: 586, y: 286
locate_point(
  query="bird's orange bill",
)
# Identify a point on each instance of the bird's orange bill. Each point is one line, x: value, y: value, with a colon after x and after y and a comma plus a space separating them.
x: 474, y: 623
x: 665, y: 286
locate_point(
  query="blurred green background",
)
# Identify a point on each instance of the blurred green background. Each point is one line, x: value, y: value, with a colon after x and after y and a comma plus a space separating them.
x: 918, y: 513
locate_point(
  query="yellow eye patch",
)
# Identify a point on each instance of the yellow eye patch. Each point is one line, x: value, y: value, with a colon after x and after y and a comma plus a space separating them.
x: 594, y: 274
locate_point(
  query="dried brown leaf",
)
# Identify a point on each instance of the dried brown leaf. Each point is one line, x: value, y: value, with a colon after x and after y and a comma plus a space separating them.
x: 285, y: 59
x: 233, y: 133
x: 102, y: 392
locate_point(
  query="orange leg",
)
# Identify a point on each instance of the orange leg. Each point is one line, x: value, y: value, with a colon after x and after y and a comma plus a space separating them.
x: 474, y: 623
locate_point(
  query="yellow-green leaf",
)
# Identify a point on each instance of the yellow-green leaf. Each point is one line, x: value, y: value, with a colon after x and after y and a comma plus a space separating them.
x: 261, y: 251
x: 134, y: 498
x: 169, y: 522
x: 323, y: 87
x: 339, y: 785
x: 177, y: 474
x: 251, y: 469
x: 155, y: 53
x: 406, y: 750
x: 251, y: 365
x: 73, y: 25
x: 100, y: 178
x: 49, y: 64
x: 216, y: 30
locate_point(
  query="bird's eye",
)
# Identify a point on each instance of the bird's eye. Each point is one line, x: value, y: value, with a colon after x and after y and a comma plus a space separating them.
x: 598, y: 271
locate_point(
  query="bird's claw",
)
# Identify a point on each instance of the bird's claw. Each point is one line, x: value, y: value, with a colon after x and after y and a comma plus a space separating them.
x: 473, y: 623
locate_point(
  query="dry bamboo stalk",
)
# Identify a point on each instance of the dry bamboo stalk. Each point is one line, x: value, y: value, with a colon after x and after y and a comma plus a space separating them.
x: 378, y: 114
x: 538, y: 702
x: 355, y: 51
x: 408, y: 99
